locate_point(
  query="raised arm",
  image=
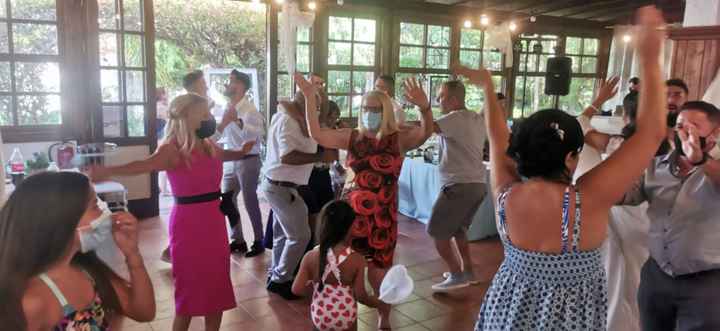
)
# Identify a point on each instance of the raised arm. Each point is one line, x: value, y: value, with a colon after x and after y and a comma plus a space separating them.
x: 597, y: 140
x: 414, y: 137
x: 503, y: 169
x: 608, y: 90
x: 234, y: 155
x: 606, y: 183
x: 327, y: 137
x: 166, y: 157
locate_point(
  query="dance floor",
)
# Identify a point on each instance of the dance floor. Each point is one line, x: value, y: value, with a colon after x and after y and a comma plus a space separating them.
x: 259, y: 310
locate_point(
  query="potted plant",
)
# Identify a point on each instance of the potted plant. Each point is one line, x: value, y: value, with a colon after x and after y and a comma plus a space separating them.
x: 38, y: 163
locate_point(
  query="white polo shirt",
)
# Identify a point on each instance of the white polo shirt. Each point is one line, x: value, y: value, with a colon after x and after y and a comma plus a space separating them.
x: 284, y: 137
x: 253, y: 127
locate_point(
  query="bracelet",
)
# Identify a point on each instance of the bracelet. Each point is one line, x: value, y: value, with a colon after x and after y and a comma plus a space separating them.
x: 595, y: 108
x: 704, y: 159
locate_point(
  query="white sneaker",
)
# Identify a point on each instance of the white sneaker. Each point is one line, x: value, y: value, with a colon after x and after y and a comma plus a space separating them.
x: 451, y: 283
x: 165, y: 257
x: 470, y: 277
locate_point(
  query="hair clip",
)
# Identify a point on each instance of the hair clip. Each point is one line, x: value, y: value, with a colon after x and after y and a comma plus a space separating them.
x: 559, y: 131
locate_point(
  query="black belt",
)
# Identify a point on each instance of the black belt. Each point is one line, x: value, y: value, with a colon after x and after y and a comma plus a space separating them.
x: 282, y: 184
x: 249, y: 156
x: 200, y: 198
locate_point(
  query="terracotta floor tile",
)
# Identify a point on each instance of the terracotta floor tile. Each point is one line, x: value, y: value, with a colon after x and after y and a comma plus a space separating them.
x: 397, y: 319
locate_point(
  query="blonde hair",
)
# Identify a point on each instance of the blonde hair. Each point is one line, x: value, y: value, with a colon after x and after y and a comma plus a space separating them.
x: 388, y: 125
x: 178, y: 131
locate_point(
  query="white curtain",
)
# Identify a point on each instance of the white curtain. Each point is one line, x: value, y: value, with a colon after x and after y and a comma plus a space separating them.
x: 499, y: 37
x: 292, y: 18
x: 624, y: 62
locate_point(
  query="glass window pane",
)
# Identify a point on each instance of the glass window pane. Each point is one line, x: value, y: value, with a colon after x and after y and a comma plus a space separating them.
x: 282, y: 60
x: 3, y: 9
x: 590, y: 46
x: 110, y: 85
x: 284, y: 86
x: 136, y: 120
x: 581, y: 95
x: 5, y: 77
x: 470, y: 58
x: 108, y: 49
x: 399, y: 80
x: 471, y: 38
x: 439, y: 36
x: 107, y: 15
x: 411, y: 57
x: 339, y: 53
x: 39, y: 109
x: 135, y: 85
x: 364, y: 30
x: 589, y: 65
x: 474, y: 97
x: 529, y: 63
x: 438, y: 58
x: 412, y: 34
x: 435, y: 83
x: 533, y: 95
x: 364, y: 55
x: 343, y: 103
x: 362, y: 82
x: 492, y: 60
x: 37, y: 77
x: 548, y: 46
x: 572, y: 45
x: 4, y: 44
x: 338, y: 82
x: 340, y: 28
x: 355, y: 105
x: 35, y: 39
x: 303, y: 34
x: 575, y: 64
x: 134, y: 51
x: 132, y: 15
x: 6, y: 115
x: 303, y: 58
x: 33, y: 9
x: 112, y: 121
x: 543, y: 62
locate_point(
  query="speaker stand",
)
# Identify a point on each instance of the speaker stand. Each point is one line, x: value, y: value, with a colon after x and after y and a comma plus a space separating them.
x: 557, y: 101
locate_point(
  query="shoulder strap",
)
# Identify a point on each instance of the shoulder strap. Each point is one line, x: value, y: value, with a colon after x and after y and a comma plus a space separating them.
x: 576, y: 225
x: 502, y: 224
x: 564, y: 227
x: 67, y: 308
x: 331, y: 266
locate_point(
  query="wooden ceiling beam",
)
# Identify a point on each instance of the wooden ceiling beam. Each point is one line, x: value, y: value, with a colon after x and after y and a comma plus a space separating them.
x: 555, y: 6
x: 595, y: 6
x: 595, y: 14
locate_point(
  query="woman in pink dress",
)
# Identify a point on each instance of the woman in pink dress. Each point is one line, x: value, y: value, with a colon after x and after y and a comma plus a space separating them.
x: 198, y: 237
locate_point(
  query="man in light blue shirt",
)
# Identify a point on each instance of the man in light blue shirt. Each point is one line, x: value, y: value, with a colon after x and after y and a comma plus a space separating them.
x: 680, y: 282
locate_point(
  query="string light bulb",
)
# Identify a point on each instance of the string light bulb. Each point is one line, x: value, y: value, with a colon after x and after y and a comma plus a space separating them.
x: 484, y: 20
x: 467, y: 24
x: 512, y: 26
x: 312, y: 5
x: 279, y: 2
x: 627, y: 38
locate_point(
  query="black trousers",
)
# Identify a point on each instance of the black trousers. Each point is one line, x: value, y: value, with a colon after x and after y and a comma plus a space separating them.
x: 682, y: 303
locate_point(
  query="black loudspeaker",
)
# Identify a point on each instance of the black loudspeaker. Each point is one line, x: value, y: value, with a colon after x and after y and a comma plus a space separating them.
x: 557, y: 78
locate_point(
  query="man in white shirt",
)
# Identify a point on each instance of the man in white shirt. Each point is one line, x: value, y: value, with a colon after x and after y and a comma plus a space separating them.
x: 291, y: 154
x: 386, y: 83
x: 241, y: 123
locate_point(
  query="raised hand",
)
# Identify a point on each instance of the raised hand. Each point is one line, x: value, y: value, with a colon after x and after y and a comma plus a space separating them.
x: 650, y: 32
x: 480, y: 77
x: 308, y: 89
x: 98, y: 174
x: 415, y: 94
x: 608, y: 89
x: 125, y: 233
x: 690, y: 143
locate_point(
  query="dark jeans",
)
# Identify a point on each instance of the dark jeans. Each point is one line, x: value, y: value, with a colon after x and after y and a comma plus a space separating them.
x: 682, y: 303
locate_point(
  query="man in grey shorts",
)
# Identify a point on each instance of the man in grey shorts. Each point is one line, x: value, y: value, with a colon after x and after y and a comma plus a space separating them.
x: 462, y: 176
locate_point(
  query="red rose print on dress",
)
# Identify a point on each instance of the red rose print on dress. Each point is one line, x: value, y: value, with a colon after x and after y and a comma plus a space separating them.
x: 363, y: 202
x: 369, y: 180
x: 383, y: 163
x: 360, y: 227
x: 379, y: 238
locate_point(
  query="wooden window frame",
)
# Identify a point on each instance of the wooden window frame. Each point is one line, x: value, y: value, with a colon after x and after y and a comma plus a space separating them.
x: 280, y: 68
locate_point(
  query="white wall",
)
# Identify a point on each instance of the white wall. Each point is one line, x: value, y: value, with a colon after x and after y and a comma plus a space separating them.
x: 701, y: 13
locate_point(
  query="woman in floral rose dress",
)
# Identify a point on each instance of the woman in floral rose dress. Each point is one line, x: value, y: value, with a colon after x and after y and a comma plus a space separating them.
x: 375, y: 154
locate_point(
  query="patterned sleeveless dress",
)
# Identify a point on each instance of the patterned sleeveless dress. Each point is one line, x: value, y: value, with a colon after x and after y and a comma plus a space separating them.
x: 373, y: 194
x: 544, y: 291
x: 90, y: 318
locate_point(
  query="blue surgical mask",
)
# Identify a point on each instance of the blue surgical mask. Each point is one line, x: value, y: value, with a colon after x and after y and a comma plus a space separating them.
x: 207, y: 128
x: 372, y: 120
x: 99, y: 231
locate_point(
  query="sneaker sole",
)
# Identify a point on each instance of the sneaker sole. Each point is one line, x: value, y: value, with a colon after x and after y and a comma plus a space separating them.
x: 450, y: 288
x: 472, y: 282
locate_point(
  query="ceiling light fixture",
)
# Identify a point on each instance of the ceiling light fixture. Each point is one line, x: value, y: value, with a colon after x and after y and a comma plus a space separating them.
x: 627, y: 38
x: 484, y: 20
x: 512, y: 26
x: 312, y: 5
x: 467, y: 24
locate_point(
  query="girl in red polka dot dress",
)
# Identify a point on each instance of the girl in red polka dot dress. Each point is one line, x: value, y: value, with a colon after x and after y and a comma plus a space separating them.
x: 334, y: 273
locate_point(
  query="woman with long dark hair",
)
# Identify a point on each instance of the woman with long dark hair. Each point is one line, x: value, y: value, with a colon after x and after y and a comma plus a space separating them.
x: 50, y: 277
x: 552, y: 277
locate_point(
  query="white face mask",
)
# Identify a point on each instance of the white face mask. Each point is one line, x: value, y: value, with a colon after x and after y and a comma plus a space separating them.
x: 99, y: 231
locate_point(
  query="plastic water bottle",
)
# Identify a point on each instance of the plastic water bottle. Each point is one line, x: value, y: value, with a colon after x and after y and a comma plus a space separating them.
x: 17, y: 167
x: 53, y: 167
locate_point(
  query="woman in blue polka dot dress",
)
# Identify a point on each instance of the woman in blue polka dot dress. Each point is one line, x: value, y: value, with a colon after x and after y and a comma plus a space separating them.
x: 552, y: 277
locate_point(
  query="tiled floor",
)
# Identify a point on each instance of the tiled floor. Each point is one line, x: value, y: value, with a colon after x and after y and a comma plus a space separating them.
x: 259, y: 310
